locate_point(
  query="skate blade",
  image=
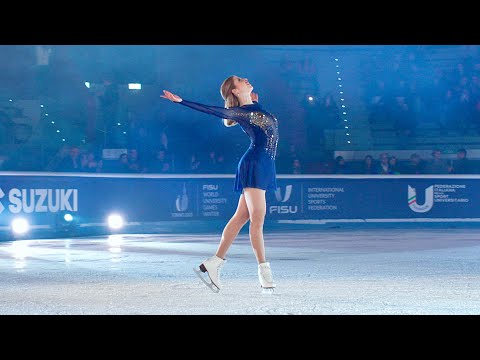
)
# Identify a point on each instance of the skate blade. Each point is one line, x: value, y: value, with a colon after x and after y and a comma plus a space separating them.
x: 209, y: 284
x: 268, y: 291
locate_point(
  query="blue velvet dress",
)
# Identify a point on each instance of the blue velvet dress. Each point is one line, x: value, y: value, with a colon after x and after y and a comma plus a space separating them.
x: 256, y: 168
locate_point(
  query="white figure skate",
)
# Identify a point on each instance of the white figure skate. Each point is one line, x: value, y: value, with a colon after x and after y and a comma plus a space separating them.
x: 212, y: 267
x: 266, y: 278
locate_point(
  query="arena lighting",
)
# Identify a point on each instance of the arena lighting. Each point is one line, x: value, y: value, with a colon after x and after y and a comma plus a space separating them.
x: 115, y: 221
x: 20, y: 226
x: 135, y: 86
x: 65, y: 222
x: 343, y: 107
x: 87, y: 84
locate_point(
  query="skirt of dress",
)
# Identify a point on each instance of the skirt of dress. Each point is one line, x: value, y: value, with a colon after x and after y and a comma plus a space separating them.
x: 255, y: 170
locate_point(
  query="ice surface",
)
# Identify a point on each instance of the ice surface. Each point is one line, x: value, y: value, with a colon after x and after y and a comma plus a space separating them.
x: 335, y: 271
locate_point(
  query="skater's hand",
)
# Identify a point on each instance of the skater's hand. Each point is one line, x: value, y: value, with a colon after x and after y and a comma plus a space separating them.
x: 172, y: 97
x: 254, y: 97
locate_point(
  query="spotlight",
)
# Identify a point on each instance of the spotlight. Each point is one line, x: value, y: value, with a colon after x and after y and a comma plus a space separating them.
x: 20, y: 226
x: 115, y: 222
x: 135, y: 86
x: 65, y: 222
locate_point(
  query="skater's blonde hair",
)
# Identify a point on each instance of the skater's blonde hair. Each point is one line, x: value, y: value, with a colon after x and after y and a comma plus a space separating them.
x: 230, y: 99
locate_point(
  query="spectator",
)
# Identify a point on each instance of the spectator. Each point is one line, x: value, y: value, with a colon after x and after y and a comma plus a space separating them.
x: 437, y: 165
x: 160, y: 164
x: 340, y: 166
x: 393, y: 164
x: 415, y: 166
x: 71, y: 163
x: 195, y: 164
x: 368, y: 166
x: 134, y: 162
x: 122, y: 166
x: 383, y: 168
x: 58, y: 159
x: 296, y: 167
x: 462, y: 165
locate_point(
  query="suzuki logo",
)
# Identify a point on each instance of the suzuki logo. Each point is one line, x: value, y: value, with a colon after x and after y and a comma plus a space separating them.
x: 288, y: 192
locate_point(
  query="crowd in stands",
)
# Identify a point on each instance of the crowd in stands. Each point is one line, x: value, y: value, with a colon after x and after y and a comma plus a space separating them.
x: 405, y: 89
x: 389, y: 165
x: 402, y: 90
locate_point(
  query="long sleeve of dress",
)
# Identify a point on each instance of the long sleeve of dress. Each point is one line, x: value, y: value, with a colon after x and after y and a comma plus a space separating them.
x: 237, y: 114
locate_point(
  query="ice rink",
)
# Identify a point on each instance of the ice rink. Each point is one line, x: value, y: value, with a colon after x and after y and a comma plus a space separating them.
x: 318, y: 271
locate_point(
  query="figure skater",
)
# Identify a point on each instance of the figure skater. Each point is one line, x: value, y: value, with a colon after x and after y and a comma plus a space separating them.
x: 256, y: 173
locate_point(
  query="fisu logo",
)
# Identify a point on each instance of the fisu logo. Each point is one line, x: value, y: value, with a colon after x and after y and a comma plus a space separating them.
x: 412, y: 200
x: 288, y: 192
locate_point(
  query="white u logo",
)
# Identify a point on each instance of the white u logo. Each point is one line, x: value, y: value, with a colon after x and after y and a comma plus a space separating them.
x: 288, y: 192
x: 412, y: 200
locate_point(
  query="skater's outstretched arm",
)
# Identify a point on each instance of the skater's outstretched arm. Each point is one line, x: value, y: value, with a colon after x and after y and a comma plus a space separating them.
x: 236, y: 114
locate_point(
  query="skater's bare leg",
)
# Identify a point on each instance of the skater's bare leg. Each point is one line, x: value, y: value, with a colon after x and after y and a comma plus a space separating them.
x: 257, y: 208
x: 233, y: 227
